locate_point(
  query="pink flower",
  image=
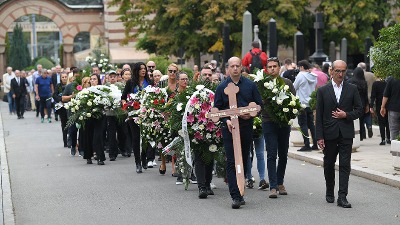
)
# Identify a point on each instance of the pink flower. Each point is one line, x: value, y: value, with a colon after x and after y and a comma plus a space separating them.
x: 211, y: 96
x: 210, y: 126
x: 79, y: 87
x: 159, y: 145
x: 157, y: 90
x: 202, y: 117
x: 218, y: 133
x: 193, y: 101
x: 205, y: 106
x: 198, y: 135
x: 190, y: 118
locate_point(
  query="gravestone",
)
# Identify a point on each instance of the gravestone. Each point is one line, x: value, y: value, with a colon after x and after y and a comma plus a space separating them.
x: 256, y: 38
x: 319, y: 56
x: 343, y: 50
x: 247, y: 35
x: 272, y: 39
x: 299, y: 46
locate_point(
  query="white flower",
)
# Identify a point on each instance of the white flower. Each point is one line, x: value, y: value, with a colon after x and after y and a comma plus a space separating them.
x: 102, y: 55
x: 72, y: 109
x: 80, y: 117
x: 266, y: 84
x: 290, y: 123
x: 259, y: 75
x: 195, y: 126
x: 286, y: 87
x: 279, y: 102
x: 66, y: 106
x: 213, y: 148
x: 179, y: 106
x: 292, y: 103
x: 88, y: 115
x: 89, y: 103
x: 105, y: 60
x: 254, y: 127
x: 101, y: 61
x: 78, y: 102
x: 99, y: 65
x: 199, y: 87
x: 295, y: 111
x: 275, y: 90
x: 197, y: 106
x: 303, y: 106
x: 180, y: 132
x: 203, y: 94
x: 201, y: 127
x: 76, y: 107
x: 281, y: 96
x: 208, y: 136
x: 285, y: 110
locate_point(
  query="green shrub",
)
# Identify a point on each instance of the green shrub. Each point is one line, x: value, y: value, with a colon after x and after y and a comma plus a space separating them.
x: 46, y: 63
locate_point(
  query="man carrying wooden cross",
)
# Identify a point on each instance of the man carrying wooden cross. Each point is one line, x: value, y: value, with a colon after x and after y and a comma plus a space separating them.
x: 247, y: 93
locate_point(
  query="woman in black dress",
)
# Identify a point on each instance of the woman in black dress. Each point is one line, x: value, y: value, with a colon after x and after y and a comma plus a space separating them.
x: 139, y: 81
x: 378, y: 87
x: 58, y: 91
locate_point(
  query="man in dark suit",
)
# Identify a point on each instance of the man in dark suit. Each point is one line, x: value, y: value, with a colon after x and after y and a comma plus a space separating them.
x: 56, y: 79
x: 338, y: 105
x: 18, y: 87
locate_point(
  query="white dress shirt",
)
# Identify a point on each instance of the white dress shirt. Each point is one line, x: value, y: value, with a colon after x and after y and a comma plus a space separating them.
x: 338, y: 90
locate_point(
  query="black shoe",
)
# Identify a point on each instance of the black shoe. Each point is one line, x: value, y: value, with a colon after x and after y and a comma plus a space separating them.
x: 112, y: 158
x: 304, y: 149
x: 128, y: 154
x: 202, y: 193
x: 89, y: 161
x: 100, y: 162
x: 22, y: 117
x: 209, y: 191
x: 250, y: 183
x: 236, y: 204
x: 73, y: 151
x: 144, y: 164
x: 162, y: 172
x: 138, y: 168
x: 388, y: 142
x: 242, y: 202
x: 370, y: 133
x: 56, y: 118
x: 342, y: 202
x: 65, y: 146
x: 19, y: 117
x: 330, y: 198
x: 314, y: 147
x: 382, y: 143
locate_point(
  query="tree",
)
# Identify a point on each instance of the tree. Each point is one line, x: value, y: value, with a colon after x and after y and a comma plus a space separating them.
x: 19, y: 53
x: 386, y: 53
x: 355, y: 20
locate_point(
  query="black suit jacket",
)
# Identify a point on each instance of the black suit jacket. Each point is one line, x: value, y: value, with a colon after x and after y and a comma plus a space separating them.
x: 19, y: 90
x: 328, y: 127
x: 54, y: 79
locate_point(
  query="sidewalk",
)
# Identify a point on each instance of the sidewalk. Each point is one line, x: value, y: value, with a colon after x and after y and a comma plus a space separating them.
x: 371, y: 160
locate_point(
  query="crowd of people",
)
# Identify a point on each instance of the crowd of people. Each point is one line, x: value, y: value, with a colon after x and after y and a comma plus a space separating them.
x: 47, y: 90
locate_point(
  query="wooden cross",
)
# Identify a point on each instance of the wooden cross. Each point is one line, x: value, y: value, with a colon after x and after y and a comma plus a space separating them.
x: 234, y: 112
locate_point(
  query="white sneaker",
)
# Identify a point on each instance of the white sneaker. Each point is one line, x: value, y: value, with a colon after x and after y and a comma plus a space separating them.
x: 150, y: 164
x: 213, y: 186
x: 154, y: 163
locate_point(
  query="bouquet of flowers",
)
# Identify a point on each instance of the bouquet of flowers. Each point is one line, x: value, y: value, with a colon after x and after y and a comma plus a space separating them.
x: 257, y: 127
x: 132, y: 105
x: 150, y: 117
x: 92, y: 102
x: 280, y: 104
x: 102, y: 62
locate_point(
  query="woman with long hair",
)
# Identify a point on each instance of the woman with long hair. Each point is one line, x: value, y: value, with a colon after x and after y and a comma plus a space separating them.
x: 139, y: 81
x: 358, y: 79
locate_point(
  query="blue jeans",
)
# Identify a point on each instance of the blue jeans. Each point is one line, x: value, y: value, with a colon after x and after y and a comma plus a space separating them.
x: 246, y: 134
x: 368, y: 120
x: 277, y: 143
x: 45, y: 102
x: 11, y: 102
x: 259, y: 149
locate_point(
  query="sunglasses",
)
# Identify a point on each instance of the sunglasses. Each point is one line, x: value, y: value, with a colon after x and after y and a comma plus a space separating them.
x: 340, y: 71
x: 151, y: 66
x: 172, y: 71
x: 274, y: 59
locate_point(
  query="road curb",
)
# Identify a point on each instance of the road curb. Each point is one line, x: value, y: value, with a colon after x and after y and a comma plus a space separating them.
x: 355, y: 170
x: 6, y: 200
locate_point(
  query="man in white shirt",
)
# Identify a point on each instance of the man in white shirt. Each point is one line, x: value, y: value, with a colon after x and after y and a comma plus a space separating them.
x: 7, y: 77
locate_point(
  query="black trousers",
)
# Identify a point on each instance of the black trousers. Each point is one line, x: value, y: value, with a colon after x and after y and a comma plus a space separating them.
x: 203, y: 170
x: 341, y: 146
x: 383, y: 125
x: 117, y: 134
x: 63, y: 117
x: 306, y: 121
x: 92, y: 137
x: 20, y: 105
x: 140, y: 157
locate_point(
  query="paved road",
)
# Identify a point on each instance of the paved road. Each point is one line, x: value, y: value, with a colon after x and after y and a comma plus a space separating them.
x: 51, y: 187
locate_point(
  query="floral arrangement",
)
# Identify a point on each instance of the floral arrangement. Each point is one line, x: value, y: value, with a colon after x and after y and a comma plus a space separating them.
x: 92, y: 102
x: 257, y: 127
x: 102, y: 62
x: 280, y: 104
x: 153, y: 126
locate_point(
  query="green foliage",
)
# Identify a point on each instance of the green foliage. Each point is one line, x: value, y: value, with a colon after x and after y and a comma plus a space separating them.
x: 188, y: 71
x: 61, y: 54
x: 354, y: 20
x: 45, y: 62
x: 313, y: 100
x: 162, y: 63
x: 8, y: 45
x: 19, y: 53
x: 386, y: 53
